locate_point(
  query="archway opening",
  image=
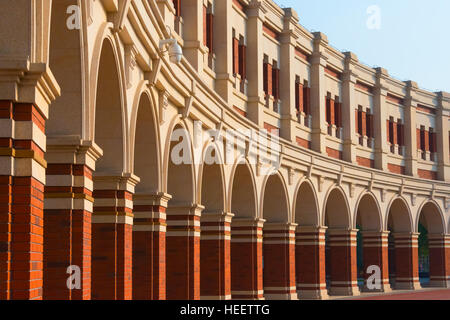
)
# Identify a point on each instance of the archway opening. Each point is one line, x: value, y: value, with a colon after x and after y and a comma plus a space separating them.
x: 309, y: 245
x: 278, y: 243
x: 215, y: 226
x: 339, y: 247
x: 108, y: 235
x: 369, y: 226
x: 183, y: 219
x: 399, y: 246
x: 148, y: 260
x: 431, y: 230
x: 246, y: 237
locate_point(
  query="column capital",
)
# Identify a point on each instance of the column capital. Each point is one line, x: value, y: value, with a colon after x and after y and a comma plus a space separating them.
x: 188, y: 209
x: 219, y: 216
x: 26, y: 82
x: 160, y: 199
x: 73, y: 150
x: 119, y: 181
x: 256, y: 9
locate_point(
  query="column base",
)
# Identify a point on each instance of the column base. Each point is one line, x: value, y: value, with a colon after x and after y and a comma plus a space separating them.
x: 407, y: 285
x: 440, y: 283
x: 217, y: 298
x: 314, y: 294
x: 248, y: 295
x: 344, y: 291
x: 385, y: 288
x: 280, y: 293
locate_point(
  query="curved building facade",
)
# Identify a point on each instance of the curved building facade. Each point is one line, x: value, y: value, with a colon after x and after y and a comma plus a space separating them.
x: 265, y: 164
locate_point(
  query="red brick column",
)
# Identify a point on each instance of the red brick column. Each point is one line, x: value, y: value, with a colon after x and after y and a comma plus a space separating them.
x: 183, y: 252
x: 375, y: 253
x: 67, y: 218
x: 391, y: 260
x: 22, y: 180
x: 279, y: 261
x: 439, y: 246
x: 310, y: 263
x: 344, y: 279
x: 149, y: 246
x: 215, y: 267
x: 112, y: 229
x: 406, y: 261
x: 247, y: 259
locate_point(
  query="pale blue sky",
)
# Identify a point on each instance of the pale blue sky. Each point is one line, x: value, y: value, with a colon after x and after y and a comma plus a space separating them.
x: 412, y: 44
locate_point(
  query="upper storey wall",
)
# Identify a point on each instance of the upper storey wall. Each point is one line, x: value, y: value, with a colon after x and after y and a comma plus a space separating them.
x: 293, y: 83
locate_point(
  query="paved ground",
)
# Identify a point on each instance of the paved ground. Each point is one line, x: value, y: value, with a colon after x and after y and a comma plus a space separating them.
x: 423, y: 294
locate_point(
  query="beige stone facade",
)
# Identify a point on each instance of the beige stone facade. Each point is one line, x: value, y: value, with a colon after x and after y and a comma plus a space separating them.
x: 85, y: 85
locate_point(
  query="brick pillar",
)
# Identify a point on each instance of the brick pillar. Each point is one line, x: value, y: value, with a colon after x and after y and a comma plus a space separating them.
x: 406, y: 261
x: 246, y: 259
x: 344, y: 279
x: 375, y: 253
x: 439, y: 246
x: 22, y: 180
x: 391, y: 260
x: 310, y: 263
x: 279, y: 261
x: 215, y: 277
x: 149, y: 246
x: 112, y: 229
x: 183, y: 252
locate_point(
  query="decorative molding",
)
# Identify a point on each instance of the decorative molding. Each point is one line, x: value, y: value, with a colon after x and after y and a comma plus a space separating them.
x: 413, y: 199
x: 321, y: 181
x: 130, y: 63
x: 291, y: 175
x: 163, y: 105
x: 383, y: 195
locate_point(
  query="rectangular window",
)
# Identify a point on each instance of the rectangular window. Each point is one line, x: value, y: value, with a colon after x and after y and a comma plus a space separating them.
x: 276, y: 81
x: 235, y: 56
x: 360, y: 121
x: 243, y: 60
x: 209, y: 31
x: 391, y: 131
x: 306, y: 98
x: 422, y: 138
x: 267, y: 77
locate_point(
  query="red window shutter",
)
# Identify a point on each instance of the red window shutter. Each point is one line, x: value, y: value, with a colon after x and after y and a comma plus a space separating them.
x: 307, y: 100
x: 266, y: 77
x: 177, y: 6
x: 243, y: 61
x: 419, y: 139
x: 297, y: 96
x: 332, y: 112
x: 235, y: 56
x: 363, y: 124
x: 427, y: 140
x: 276, y: 83
x: 269, y: 79
x: 388, y: 130
x: 337, y: 113
x: 205, y: 26
x: 301, y: 98
x: 210, y: 33
x: 356, y: 121
x: 394, y: 132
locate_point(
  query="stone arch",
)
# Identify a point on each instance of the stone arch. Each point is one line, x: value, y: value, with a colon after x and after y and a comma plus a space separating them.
x: 66, y: 57
x: 399, y: 217
x: 109, y: 117
x: 431, y: 216
x: 336, y: 211
x: 145, y: 147
x: 212, y: 175
x: 180, y: 175
x: 368, y: 213
x: 275, y: 200
x: 243, y: 204
x: 306, y: 205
